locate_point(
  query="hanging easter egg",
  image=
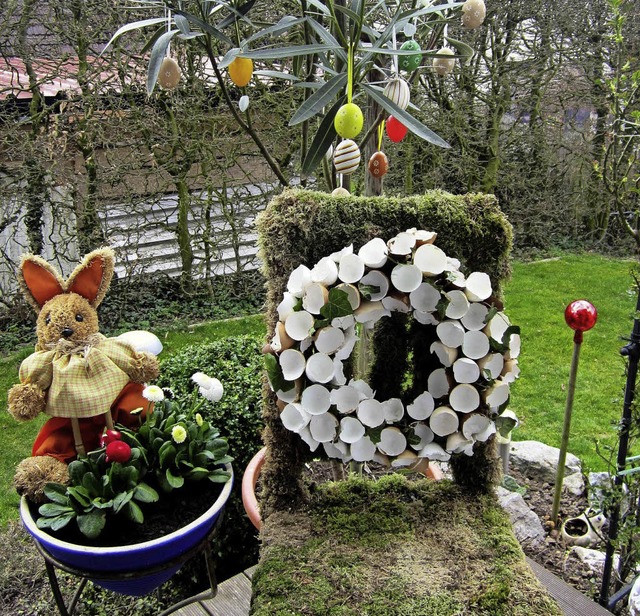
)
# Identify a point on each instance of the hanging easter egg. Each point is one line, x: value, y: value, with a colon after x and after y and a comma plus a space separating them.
x: 409, y: 29
x: 473, y: 13
x: 396, y: 130
x: 378, y: 164
x: 442, y: 65
x: 243, y: 103
x: 169, y: 75
x: 348, y: 121
x: 410, y: 62
x: 397, y: 90
x: 340, y: 192
x: 240, y: 71
x: 346, y: 158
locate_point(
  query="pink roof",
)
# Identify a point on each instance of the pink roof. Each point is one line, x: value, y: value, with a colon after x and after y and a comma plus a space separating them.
x: 54, y: 76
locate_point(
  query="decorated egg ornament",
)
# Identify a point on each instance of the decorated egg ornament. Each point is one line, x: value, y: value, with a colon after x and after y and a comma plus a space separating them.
x: 348, y: 121
x: 410, y: 62
x: 397, y: 91
x: 169, y: 75
x: 346, y: 157
x: 378, y: 164
x: 396, y: 130
x: 441, y: 65
x: 473, y: 13
x: 240, y: 71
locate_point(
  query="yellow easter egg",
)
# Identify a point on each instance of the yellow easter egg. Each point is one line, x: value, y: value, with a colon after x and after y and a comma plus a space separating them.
x: 169, y: 75
x: 348, y: 121
x: 240, y: 71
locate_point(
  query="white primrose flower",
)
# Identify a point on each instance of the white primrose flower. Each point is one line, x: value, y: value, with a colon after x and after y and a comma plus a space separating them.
x: 153, y: 393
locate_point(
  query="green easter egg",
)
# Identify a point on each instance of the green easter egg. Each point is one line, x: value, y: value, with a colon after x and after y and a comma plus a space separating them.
x: 410, y: 63
x: 348, y: 121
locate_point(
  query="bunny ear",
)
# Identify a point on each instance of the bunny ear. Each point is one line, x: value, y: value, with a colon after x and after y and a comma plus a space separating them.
x: 92, y: 277
x: 39, y: 281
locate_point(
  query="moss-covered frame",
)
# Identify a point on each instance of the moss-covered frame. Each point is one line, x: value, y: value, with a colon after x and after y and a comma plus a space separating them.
x: 301, y: 227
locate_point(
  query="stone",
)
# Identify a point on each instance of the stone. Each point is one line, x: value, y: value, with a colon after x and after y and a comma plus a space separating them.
x: 537, y: 460
x: 526, y: 524
x: 574, y: 484
x: 599, y: 483
x: 592, y: 559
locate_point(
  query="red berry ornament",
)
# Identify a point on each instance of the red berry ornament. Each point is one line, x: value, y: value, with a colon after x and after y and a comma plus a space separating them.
x: 118, y: 451
x: 396, y: 130
x: 109, y: 437
x: 580, y: 316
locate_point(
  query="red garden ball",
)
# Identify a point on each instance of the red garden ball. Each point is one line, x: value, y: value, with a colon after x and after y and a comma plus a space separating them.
x: 581, y: 315
x: 396, y: 130
x: 118, y: 451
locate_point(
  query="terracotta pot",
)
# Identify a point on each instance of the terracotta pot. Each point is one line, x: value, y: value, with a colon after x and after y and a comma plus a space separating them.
x: 141, y: 563
x: 252, y: 472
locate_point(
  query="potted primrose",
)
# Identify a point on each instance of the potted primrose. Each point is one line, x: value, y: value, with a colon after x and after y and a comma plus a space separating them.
x: 174, y: 465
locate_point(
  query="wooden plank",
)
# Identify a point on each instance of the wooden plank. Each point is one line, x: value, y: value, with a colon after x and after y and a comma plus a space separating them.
x: 571, y: 601
x: 233, y: 598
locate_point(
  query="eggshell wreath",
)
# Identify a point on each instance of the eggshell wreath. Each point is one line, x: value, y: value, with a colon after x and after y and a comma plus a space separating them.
x: 325, y: 307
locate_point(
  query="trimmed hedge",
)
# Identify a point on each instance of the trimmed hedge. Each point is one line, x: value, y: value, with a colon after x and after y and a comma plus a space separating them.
x: 237, y: 362
x: 301, y: 226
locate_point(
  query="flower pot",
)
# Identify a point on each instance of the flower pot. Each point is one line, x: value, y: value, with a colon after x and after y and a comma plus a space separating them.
x: 252, y: 472
x: 140, y: 567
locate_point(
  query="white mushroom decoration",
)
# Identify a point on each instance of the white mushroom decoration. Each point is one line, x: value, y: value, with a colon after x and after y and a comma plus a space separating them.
x: 474, y: 350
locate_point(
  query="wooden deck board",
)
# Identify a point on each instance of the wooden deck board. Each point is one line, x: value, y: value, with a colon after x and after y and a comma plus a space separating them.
x: 234, y: 596
x: 571, y: 601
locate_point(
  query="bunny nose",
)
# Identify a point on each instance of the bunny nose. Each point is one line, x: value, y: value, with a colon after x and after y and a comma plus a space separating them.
x: 67, y: 332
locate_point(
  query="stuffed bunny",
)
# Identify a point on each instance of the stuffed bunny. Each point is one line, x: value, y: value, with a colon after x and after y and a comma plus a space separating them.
x: 80, y: 378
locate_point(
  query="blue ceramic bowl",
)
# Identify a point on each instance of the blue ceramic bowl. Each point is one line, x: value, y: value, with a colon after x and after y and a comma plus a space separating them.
x: 130, y: 558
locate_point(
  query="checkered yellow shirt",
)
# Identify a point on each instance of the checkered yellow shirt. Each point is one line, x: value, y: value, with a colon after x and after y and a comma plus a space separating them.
x: 80, y: 384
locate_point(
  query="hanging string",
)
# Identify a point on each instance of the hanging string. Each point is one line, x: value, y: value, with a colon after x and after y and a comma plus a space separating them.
x: 168, y: 15
x: 350, y: 74
x: 395, y: 46
x: 380, y: 133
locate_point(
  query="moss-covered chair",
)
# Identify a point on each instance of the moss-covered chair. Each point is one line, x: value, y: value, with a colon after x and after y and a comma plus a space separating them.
x: 393, y: 546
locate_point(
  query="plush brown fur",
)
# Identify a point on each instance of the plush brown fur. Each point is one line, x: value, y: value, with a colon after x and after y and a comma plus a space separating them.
x: 32, y: 474
x: 66, y: 311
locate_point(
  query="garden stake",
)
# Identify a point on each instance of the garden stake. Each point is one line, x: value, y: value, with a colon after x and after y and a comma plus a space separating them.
x: 632, y: 351
x: 580, y: 316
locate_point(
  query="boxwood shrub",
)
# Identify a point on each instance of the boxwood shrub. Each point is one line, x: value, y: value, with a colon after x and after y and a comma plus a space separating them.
x: 237, y: 362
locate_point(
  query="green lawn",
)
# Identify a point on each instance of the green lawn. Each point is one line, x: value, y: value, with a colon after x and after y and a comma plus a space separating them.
x: 535, y: 299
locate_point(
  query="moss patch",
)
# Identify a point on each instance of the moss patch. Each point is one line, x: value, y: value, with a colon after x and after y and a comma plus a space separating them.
x: 396, y: 548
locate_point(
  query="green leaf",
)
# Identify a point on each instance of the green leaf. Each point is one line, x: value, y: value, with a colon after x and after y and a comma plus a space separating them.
x: 135, y: 25
x: 237, y: 14
x: 415, y: 126
x: 77, y: 469
x: 274, y: 374
x: 367, y: 290
x: 322, y: 140
x: 50, y: 510
x: 209, y: 29
x: 182, y: 23
x: 133, y: 512
x: 145, y: 494
x: 329, y: 39
x: 92, y: 523
x: 167, y: 454
x: 462, y: 48
x: 219, y: 476
x: 90, y: 483
x: 493, y: 311
x: 337, y: 305
x: 286, y: 23
x: 321, y: 8
x: 173, y: 480
x: 57, y: 493
x: 157, y: 56
x: 121, y: 500
x: 277, y: 75
x: 80, y: 495
x: 197, y: 473
x: 276, y: 53
x: 319, y: 99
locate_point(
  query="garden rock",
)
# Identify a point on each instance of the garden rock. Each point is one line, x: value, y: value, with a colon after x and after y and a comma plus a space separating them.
x: 574, y: 484
x: 535, y: 459
x: 526, y: 524
x: 593, y: 560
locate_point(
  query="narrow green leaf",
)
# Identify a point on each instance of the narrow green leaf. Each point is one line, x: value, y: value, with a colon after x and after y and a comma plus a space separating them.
x: 415, y: 126
x: 275, y: 53
x: 237, y: 14
x: 135, y: 25
x: 316, y: 4
x: 286, y: 23
x: 50, y: 510
x: 154, y: 37
x: 182, y: 23
x: 322, y: 140
x: 207, y: 28
x: 133, y: 512
x: 155, y: 61
x: 277, y: 75
x: 346, y: 11
x: 462, y: 48
x: 121, y: 500
x: 319, y: 99
x: 328, y: 38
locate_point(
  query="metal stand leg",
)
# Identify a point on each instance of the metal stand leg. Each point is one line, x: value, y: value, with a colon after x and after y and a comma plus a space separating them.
x: 57, y: 594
